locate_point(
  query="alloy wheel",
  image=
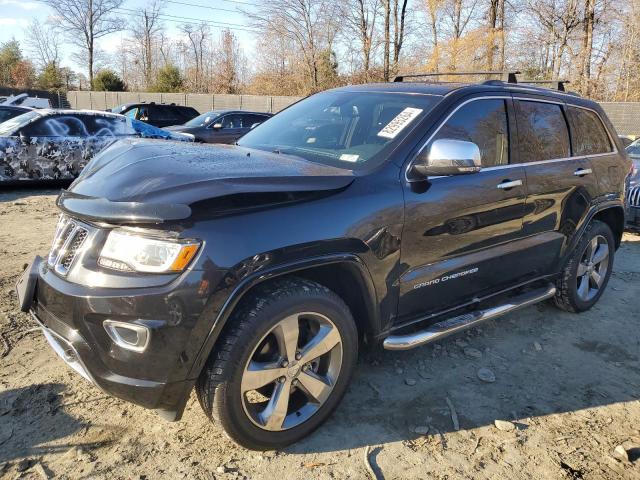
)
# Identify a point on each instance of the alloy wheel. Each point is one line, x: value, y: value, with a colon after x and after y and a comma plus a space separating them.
x: 292, y: 371
x: 592, y: 268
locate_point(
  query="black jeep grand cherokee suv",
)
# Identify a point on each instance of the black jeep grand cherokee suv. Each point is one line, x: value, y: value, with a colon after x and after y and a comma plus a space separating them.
x: 397, y: 212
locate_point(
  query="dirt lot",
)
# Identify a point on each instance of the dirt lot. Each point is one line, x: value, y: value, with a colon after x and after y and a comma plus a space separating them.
x: 569, y: 383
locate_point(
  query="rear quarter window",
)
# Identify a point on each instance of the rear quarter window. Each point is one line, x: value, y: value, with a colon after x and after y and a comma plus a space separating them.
x: 542, y: 131
x: 588, y: 135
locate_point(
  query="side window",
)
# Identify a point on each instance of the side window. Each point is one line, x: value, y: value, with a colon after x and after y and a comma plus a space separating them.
x: 109, y: 126
x: 542, y: 131
x: 588, y: 135
x: 58, y: 126
x: 483, y: 122
x: 132, y: 113
x: 232, y: 121
x: 249, y: 120
x: 185, y: 113
x: 36, y: 129
x: 161, y: 113
x: 143, y: 114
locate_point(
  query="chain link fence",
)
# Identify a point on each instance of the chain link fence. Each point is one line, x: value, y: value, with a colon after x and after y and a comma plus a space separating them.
x: 625, y: 116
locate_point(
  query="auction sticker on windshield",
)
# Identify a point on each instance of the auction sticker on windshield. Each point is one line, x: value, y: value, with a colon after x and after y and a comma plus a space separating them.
x: 395, y: 126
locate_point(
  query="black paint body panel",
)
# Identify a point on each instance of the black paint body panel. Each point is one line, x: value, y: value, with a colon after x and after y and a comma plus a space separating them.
x: 261, y: 215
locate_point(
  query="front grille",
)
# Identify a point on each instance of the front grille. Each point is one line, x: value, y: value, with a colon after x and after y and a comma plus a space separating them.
x: 70, y: 236
x: 634, y: 196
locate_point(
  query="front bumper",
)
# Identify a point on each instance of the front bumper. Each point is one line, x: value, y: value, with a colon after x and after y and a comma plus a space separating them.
x: 71, y: 317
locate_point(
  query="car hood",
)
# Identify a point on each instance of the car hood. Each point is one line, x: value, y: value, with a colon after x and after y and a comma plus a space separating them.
x: 134, y: 176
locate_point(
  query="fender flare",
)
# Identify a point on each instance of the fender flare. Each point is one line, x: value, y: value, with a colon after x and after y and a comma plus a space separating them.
x: 596, y: 209
x: 247, y: 283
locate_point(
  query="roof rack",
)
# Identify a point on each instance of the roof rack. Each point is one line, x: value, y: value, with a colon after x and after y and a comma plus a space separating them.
x: 554, y: 84
x: 506, y: 75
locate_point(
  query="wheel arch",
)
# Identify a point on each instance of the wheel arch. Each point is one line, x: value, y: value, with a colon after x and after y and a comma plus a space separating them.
x: 613, y: 216
x: 345, y: 274
x: 611, y: 213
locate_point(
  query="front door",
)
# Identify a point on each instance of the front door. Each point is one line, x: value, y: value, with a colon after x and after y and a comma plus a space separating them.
x: 463, y: 233
x: 231, y: 129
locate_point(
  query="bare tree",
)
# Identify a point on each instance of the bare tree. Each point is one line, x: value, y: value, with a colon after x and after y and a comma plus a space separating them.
x: 361, y: 16
x: 43, y: 43
x: 309, y: 24
x: 495, y: 37
x: 399, y: 19
x: 433, y: 10
x: 559, y: 20
x: 85, y: 21
x: 229, y: 64
x: 197, y: 38
x: 145, y: 29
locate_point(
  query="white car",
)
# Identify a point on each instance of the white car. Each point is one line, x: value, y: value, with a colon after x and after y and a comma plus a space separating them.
x: 25, y: 100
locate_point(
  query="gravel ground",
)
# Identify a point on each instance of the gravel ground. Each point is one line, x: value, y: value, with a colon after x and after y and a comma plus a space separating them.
x: 567, y: 388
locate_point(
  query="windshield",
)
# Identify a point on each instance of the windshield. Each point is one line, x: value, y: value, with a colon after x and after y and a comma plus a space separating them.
x: 634, y: 148
x: 201, y: 120
x: 352, y: 130
x: 10, y: 126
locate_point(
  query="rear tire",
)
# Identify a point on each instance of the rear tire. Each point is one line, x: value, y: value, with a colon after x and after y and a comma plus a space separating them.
x: 281, y: 366
x: 587, y: 272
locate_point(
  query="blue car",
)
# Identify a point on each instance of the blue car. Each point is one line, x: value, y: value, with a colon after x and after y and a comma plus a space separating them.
x: 51, y: 144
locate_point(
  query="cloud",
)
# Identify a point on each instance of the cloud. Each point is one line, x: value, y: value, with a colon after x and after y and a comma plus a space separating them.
x: 13, y: 22
x: 19, y: 4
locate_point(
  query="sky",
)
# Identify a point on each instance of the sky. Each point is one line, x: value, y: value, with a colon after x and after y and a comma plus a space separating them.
x: 15, y: 15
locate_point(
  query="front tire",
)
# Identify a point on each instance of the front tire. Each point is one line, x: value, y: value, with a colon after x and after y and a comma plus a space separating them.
x: 587, y: 272
x: 282, y: 366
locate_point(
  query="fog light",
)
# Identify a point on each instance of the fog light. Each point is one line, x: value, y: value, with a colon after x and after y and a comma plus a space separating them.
x: 127, y: 335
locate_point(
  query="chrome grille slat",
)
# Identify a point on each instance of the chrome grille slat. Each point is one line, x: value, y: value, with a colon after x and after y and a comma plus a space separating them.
x: 69, y: 239
x: 634, y: 196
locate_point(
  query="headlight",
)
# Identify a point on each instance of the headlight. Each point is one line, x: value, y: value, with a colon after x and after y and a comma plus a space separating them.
x: 130, y: 252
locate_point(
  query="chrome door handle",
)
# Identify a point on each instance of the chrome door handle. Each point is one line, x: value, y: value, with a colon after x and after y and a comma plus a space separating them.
x: 507, y: 184
x: 581, y: 172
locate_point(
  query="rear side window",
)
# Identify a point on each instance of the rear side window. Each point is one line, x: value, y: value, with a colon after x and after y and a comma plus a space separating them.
x: 58, y: 126
x: 588, y: 135
x: 483, y: 122
x: 542, y: 131
x: 6, y: 114
x: 186, y: 112
x: 232, y: 121
x: 164, y: 114
x: 109, y: 126
x: 250, y: 119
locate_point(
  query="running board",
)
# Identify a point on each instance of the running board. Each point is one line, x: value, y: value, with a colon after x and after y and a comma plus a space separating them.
x: 467, y: 320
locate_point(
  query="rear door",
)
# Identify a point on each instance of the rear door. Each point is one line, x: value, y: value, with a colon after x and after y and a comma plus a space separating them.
x: 589, y: 139
x: 561, y: 186
x: 463, y: 233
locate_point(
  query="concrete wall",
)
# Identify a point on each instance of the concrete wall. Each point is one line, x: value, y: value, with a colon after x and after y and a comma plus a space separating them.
x: 624, y: 116
x: 200, y: 101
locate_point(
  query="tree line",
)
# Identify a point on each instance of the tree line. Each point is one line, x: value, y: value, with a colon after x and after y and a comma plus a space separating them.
x: 304, y: 46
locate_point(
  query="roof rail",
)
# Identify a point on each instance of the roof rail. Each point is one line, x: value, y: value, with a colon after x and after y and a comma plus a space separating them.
x: 554, y: 84
x: 506, y: 75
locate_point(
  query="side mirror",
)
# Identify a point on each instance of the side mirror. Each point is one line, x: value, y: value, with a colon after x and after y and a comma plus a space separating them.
x: 448, y: 157
x: 217, y: 126
x: 25, y: 139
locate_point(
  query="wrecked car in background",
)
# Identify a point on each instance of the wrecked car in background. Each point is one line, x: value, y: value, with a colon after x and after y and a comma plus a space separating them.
x: 56, y: 144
